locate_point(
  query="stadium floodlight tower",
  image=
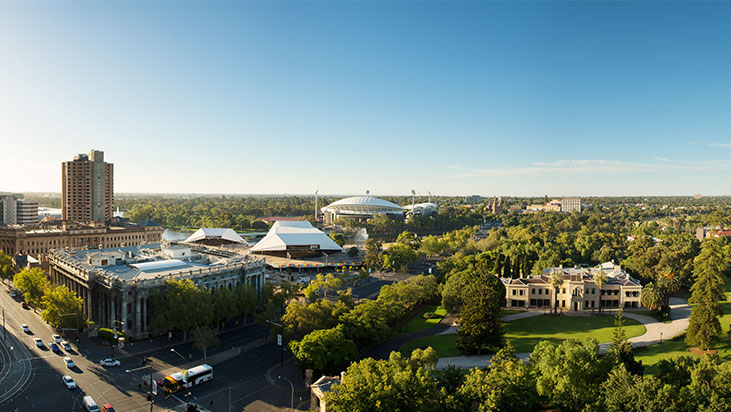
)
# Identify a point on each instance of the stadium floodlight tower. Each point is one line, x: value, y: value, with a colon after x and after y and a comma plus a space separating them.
x: 413, y: 201
x: 316, y: 192
x: 429, y: 197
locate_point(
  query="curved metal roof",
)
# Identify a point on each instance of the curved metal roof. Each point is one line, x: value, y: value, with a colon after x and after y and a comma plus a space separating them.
x: 363, y: 204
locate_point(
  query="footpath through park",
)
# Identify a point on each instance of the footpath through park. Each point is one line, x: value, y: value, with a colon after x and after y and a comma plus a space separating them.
x: 655, y: 332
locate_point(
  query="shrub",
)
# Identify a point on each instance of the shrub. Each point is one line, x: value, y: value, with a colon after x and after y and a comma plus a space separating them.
x: 108, y: 334
x: 430, y: 315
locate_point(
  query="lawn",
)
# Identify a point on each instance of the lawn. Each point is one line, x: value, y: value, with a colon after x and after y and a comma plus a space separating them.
x: 524, y: 334
x: 506, y: 312
x: 418, y: 323
x: 651, y: 355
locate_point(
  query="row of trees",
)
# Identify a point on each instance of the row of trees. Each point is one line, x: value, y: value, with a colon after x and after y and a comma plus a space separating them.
x: 325, y: 334
x: 571, y: 376
x: 60, y: 307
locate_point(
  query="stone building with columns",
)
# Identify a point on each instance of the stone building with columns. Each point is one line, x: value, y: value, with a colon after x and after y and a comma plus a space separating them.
x: 116, y: 283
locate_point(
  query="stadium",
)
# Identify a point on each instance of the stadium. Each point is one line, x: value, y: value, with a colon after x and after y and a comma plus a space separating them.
x: 360, y: 208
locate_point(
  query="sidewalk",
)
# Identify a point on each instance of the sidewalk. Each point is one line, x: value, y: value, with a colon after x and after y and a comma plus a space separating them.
x: 655, y: 332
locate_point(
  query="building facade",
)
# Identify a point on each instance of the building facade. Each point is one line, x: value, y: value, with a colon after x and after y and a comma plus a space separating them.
x: 579, y: 293
x: 571, y: 204
x: 116, y: 283
x: 87, y: 191
x: 17, y: 211
x: 39, y: 239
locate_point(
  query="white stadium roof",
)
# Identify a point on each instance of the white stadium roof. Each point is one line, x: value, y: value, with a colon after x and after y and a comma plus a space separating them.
x: 362, y: 204
x: 294, y: 233
x: 218, y: 233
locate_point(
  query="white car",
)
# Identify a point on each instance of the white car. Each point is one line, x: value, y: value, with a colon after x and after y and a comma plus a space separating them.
x: 69, y: 362
x: 66, y: 346
x: 38, y: 342
x: 69, y: 382
x: 109, y: 362
x: 56, y: 338
x: 26, y: 329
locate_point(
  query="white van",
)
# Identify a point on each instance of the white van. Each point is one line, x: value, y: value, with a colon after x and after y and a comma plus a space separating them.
x: 90, y: 405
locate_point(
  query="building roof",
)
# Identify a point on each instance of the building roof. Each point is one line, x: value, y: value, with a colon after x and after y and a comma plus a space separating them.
x: 147, y: 223
x: 615, y: 275
x: 294, y: 233
x: 216, y: 233
x: 363, y: 204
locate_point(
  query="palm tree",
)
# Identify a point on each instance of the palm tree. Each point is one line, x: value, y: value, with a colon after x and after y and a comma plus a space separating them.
x: 556, y: 282
x: 600, y: 278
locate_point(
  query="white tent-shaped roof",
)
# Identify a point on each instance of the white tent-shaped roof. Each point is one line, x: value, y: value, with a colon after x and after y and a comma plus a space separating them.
x: 209, y: 233
x: 286, y: 234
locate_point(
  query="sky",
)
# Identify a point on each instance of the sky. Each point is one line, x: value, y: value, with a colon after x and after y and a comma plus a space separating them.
x: 452, y: 98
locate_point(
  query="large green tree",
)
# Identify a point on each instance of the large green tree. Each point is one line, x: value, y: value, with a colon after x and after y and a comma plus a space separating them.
x: 33, y: 283
x: 182, y: 305
x: 302, y: 318
x: 203, y: 338
x: 324, y: 349
x: 225, y: 305
x: 706, y: 293
x: 479, y: 323
x: 7, y: 267
x: 62, y: 308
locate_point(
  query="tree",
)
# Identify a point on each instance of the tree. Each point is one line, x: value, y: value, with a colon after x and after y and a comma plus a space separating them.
x: 245, y: 299
x: 325, y: 284
x: 203, y: 338
x: 601, y: 279
x: 324, y: 349
x: 567, y: 375
x: 627, y: 392
x: 182, y: 305
x: 479, y: 323
x: 396, y: 384
x: 60, y: 301
x: 651, y: 297
x: 225, y: 305
x: 621, y: 350
x: 556, y: 281
x: 33, y: 283
x: 7, y: 268
x: 507, y: 385
x: 366, y: 323
x: 706, y: 292
x: 301, y: 319
x: 353, y: 252
x: 409, y: 239
x: 373, y: 254
x: 399, y: 256
x: 338, y: 238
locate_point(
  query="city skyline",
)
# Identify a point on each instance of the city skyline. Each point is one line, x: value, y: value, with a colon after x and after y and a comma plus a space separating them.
x: 518, y: 99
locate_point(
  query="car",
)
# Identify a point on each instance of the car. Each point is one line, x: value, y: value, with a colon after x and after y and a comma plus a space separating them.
x: 56, y: 338
x: 13, y: 294
x: 109, y: 362
x: 38, y: 342
x: 69, y: 382
x: 107, y: 408
x: 66, y: 346
x: 24, y: 305
x: 54, y: 347
x: 25, y: 327
x: 69, y: 362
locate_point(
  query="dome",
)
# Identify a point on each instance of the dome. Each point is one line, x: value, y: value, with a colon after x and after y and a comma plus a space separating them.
x: 362, y: 204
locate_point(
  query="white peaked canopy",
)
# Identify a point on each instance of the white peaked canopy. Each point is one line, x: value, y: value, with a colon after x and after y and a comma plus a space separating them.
x: 209, y: 233
x: 285, y: 234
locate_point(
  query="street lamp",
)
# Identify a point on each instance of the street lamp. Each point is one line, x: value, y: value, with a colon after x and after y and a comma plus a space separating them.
x: 151, y: 392
x: 291, y: 402
x: 190, y: 357
x: 279, y: 342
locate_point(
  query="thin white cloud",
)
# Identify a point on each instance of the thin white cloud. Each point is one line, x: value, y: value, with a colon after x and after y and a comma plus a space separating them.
x: 599, y: 166
x: 662, y: 159
x: 453, y: 167
x: 725, y: 145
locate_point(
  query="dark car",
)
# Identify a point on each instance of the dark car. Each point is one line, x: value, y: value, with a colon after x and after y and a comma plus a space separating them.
x: 54, y: 347
x: 24, y: 305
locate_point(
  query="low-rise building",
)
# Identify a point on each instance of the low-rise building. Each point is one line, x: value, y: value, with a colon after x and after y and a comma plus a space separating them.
x: 39, y: 239
x: 579, y: 292
x: 116, y: 283
x: 704, y: 232
x: 318, y: 391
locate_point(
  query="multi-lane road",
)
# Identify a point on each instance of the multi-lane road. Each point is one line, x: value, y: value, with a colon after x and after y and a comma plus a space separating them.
x: 31, y: 377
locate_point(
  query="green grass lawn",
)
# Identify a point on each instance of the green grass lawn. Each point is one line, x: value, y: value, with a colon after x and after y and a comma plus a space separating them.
x: 506, y: 312
x: 651, y: 355
x: 418, y: 323
x: 524, y: 334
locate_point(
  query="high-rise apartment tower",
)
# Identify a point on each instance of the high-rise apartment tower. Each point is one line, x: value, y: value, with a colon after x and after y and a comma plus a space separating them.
x: 88, y: 188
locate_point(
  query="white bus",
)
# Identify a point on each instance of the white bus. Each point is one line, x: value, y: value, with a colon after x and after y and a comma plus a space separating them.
x: 186, y: 378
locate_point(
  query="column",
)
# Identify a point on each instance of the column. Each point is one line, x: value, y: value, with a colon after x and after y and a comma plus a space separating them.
x: 138, y: 316
x: 88, y: 303
x: 112, y: 310
x: 124, y: 311
x: 143, y: 325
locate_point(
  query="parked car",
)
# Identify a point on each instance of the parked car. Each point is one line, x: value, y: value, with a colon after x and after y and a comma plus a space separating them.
x: 66, y: 346
x: 38, y: 342
x: 13, y: 294
x: 54, y: 347
x: 69, y: 382
x: 110, y: 362
x: 107, y: 408
x: 56, y: 338
x: 69, y: 362
x: 26, y: 329
x: 24, y: 305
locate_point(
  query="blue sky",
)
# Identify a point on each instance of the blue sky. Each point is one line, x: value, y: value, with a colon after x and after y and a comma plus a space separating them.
x: 511, y: 98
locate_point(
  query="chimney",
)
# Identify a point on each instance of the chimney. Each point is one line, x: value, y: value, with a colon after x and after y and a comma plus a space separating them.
x: 342, y: 377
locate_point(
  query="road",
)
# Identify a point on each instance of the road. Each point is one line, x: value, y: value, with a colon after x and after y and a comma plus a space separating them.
x: 30, y: 377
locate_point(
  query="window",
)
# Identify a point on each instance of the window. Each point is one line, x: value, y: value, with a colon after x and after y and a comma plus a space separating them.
x: 563, y: 303
x: 546, y: 302
x: 514, y: 292
x: 533, y: 291
x: 532, y: 302
x: 563, y: 290
x: 521, y: 292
